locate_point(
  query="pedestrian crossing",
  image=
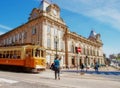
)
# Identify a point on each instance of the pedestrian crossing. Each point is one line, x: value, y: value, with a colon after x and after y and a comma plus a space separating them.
x: 7, y: 80
x: 4, y: 81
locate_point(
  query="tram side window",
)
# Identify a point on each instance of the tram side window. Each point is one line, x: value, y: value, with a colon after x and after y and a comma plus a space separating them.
x: 0, y: 54
x: 29, y: 52
x: 19, y: 55
x: 14, y: 55
x: 4, y: 53
x: 7, y: 54
x: 11, y: 54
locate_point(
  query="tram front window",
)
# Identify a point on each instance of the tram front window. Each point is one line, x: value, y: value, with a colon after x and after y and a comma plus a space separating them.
x: 37, y: 53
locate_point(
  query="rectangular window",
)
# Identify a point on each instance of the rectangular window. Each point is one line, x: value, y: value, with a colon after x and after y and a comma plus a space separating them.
x: 20, y: 36
x: 16, y: 37
x: 4, y: 41
x: 34, y: 30
x: 62, y: 45
x: 61, y: 33
x: 72, y: 49
x: 24, y: 34
x: 48, y: 29
x: 55, y: 31
x: 48, y: 43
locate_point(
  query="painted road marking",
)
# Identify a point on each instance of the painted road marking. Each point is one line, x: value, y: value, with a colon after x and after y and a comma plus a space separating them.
x: 7, y: 80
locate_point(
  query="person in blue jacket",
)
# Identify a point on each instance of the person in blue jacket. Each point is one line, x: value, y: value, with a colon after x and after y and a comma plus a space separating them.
x: 57, y: 68
x: 96, y: 67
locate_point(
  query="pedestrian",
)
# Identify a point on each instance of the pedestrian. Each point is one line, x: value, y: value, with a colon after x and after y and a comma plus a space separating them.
x: 82, y: 67
x: 96, y: 67
x: 57, y: 68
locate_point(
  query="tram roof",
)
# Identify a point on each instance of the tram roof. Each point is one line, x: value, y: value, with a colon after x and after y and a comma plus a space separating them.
x: 22, y: 46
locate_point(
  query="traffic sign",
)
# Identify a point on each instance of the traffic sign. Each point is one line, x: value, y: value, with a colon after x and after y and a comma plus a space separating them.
x: 78, y: 49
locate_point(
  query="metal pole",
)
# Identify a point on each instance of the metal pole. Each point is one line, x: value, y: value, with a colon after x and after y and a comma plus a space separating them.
x: 86, y: 62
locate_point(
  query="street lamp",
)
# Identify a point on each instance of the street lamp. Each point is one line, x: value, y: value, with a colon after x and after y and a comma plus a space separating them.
x: 56, y: 42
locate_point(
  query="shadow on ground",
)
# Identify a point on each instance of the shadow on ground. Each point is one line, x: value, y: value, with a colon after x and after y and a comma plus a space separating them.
x: 93, y: 72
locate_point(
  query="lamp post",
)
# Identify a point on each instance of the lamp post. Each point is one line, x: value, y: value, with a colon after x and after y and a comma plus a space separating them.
x: 56, y: 42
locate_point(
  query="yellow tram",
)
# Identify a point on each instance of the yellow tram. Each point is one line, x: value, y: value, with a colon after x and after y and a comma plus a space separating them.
x: 29, y: 57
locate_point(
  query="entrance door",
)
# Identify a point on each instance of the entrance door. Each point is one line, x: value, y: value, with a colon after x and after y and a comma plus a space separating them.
x: 80, y: 61
x: 73, y: 61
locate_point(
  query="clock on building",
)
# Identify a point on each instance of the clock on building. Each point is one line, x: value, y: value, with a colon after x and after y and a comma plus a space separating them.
x: 54, y: 12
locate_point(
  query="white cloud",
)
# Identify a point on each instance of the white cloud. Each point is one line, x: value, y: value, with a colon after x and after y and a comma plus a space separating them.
x: 5, y: 27
x: 106, y: 11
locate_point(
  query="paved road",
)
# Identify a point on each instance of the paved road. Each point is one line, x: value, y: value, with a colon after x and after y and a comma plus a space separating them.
x: 46, y: 80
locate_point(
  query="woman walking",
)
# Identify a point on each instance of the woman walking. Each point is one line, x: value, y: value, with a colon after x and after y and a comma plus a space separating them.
x: 57, y: 68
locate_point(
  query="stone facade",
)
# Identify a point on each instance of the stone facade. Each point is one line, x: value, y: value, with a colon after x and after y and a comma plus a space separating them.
x: 44, y: 26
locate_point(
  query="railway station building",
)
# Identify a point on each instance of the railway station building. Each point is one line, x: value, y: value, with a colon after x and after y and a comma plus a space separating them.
x: 45, y: 27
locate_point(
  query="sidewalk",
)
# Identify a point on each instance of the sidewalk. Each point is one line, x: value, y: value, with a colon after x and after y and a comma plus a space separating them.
x: 109, y: 68
x: 73, y: 73
x: 50, y: 74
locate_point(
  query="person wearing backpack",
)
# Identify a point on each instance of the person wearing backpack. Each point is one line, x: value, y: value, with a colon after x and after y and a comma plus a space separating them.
x: 52, y: 67
x: 57, y: 68
x: 96, y: 67
x: 82, y: 67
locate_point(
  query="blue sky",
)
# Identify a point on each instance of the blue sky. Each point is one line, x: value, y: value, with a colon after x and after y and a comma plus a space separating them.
x: 81, y: 16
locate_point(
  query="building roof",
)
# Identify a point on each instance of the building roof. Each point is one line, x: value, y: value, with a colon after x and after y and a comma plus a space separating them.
x: 93, y: 34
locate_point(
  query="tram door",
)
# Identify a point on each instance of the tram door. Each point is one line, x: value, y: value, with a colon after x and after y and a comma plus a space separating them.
x: 28, y: 55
